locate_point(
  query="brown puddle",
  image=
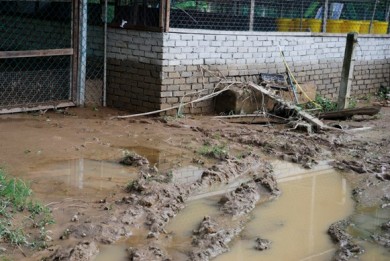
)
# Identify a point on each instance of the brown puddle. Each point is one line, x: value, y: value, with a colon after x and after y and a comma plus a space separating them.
x: 367, y: 221
x: 297, y: 221
x: 79, y: 177
x: 152, y: 154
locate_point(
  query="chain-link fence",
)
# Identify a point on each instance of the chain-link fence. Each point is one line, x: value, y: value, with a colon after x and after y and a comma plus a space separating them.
x: 95, y: 44
x: 35, y: 53
x: 363, y: 16
x: 137, y: 14
x: 52, y: 53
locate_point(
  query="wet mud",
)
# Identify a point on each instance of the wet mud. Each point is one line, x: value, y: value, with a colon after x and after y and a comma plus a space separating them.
x: 150, y: 199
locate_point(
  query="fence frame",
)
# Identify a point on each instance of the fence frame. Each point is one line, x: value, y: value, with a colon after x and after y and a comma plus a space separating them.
x: 72, y: 52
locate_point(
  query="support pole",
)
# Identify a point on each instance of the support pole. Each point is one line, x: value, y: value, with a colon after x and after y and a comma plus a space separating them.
x: 347, y: 72
x: 252, y: 15
x: 325, y: 16
x: 105, y: 54
x: 167, y: 15
x: 82, y: 52
x: 373, y: 17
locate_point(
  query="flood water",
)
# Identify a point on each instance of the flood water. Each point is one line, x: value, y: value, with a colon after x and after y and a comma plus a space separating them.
x: 297, y: 221
x: 79, y: 177
x: 367, y: 221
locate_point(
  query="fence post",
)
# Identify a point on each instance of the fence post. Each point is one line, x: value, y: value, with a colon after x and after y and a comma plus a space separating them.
x: 347, y: 72
x: 167, y: 14
x: 325, y: 16
x: 105, y: 32
x: 82, y: 52
x: 252, y: 15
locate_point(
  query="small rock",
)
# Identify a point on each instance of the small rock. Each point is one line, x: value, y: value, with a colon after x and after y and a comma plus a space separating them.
x: 75, y: 218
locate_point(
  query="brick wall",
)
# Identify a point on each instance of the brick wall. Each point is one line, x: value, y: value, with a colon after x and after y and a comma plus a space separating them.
x: 134, y: 63
x: 157, y: 70
x: 312, y: 57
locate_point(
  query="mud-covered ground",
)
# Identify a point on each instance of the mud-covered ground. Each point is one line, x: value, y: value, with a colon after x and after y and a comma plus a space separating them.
x: 143, y: 206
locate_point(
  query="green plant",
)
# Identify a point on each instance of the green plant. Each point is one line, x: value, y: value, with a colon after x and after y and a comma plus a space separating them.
x: 15, y: 203
x: 383, y: 93
x: 326, y: 103
x: 214, y: 151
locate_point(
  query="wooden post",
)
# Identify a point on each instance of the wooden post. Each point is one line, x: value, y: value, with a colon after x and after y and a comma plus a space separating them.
x: 161, y: 21
x: 252, y: 15
x: 325, y: 16
x: 167, y: 15
x: 347, y: 72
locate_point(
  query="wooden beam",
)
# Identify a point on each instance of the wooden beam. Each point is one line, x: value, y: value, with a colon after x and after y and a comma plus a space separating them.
x: 37, y: 107
x: 348, y: 113
x: 35, y: 53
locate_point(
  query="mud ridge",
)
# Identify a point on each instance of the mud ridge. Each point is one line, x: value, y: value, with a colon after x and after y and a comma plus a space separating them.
x: 346, y: 247
x: 215, y: 233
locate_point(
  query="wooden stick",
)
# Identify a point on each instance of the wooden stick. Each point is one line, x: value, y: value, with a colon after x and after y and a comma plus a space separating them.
x: 212, y: 95
x: 307, y: 117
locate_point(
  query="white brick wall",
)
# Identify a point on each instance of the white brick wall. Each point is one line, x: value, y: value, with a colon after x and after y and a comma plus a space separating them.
x: 136, y: 46
x: 312, y: 57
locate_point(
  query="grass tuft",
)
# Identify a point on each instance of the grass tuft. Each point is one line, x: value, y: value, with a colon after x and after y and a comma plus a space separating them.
x: 20, y: 215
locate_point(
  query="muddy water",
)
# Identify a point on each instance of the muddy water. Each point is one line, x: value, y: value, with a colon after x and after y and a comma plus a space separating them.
x: 153, y: 155
x: 79, y: 177
x: 367, y: 221
x: 296, y: 222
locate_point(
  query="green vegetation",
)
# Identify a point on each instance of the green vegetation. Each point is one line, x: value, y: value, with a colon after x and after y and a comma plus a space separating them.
x: 326, y: 104
x: 19, y: 213
x: 220, y: 151
x: 383, y: 92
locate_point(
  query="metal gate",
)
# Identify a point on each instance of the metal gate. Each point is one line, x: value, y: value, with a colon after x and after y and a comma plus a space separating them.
x: 38, y: 54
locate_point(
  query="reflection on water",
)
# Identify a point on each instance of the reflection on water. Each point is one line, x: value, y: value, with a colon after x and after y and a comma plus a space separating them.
x: 366, y: 222
x: 186, y: 175
x: 297, y: 222
x: 112, y: 253
x: 79, y: 177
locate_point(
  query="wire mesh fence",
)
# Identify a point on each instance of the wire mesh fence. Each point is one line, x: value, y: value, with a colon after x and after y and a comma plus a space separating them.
x: 35, y: 52
x: 95, y: 37
x: 39, y: 53
x: 136, y: 13
x: 363, y: 16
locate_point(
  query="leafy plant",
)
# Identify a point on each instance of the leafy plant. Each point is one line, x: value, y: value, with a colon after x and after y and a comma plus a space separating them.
x: 326, y: 103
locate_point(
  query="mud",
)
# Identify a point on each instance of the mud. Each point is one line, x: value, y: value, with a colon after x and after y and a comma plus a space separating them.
x: 156, y: 196
x: 346, y: 247
x: 215, y: 233
x: 134, y: 160
x: 83, y: 251
x: 262, y: 244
